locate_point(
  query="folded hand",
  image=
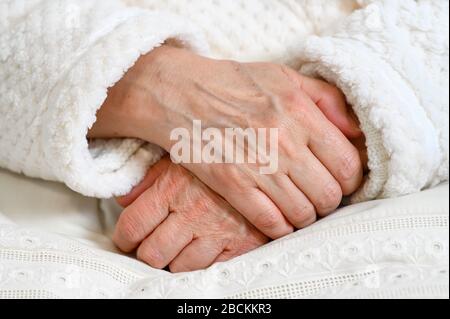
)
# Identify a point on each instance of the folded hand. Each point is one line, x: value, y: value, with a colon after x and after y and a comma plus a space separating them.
x: 174, y: 219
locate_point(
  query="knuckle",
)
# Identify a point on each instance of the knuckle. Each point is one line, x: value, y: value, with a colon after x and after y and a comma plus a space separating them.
x: 331, y: 198
x: 268, y: 219
x: 295, y: 105
x: 350, y: 165
x: 305, y: 215
x: 302, y: 116
x: 150, y: 256
x: 129, y: 228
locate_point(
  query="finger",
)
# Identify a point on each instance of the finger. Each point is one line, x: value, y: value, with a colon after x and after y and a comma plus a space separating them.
x: 139, y: 219
x: 152, y: 175
x: 333, y: 104
x: 200, y: 254
x: 334, y: 150
x: 262, y: 212
x: 294, y: 205
x: 321, y: 188
x: 165, y: 243
x: 244, y: 196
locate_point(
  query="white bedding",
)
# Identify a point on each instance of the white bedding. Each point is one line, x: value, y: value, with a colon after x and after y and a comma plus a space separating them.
x: 390, y: 248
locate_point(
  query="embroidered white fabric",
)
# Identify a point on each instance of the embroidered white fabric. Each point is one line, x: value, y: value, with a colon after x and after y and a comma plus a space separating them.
x: 394, y: 248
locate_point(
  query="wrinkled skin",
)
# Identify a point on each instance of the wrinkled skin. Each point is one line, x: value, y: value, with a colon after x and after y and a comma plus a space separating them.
x: 174, y: 219
x: 170, y: 87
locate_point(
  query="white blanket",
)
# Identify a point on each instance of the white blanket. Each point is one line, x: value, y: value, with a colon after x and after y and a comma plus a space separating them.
x: 395, y: 248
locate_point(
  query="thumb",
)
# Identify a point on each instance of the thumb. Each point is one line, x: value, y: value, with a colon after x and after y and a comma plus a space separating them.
x: 331, y: 101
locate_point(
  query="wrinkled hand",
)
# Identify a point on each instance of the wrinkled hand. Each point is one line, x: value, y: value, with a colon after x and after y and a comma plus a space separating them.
x: 170, y: 88
x: 175, y: 220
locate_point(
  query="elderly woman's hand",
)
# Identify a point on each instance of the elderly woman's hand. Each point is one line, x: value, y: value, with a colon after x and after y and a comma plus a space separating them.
x: 175, y: 220
x: 170, y: 88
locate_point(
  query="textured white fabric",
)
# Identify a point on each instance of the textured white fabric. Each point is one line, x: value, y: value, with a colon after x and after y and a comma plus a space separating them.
x: 395, y: 248
x: 391, y: 61
x: 57, y: 59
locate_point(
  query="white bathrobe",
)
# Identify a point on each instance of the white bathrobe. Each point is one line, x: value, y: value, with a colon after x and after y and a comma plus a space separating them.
x: 389, y: 57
